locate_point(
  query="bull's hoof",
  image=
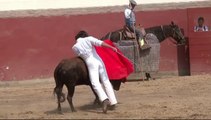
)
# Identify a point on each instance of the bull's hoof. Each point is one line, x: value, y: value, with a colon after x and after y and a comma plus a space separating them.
x: 96, y: 102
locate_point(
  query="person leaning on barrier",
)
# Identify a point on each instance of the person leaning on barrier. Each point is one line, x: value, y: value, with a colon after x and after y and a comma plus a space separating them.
x: 200, y: 26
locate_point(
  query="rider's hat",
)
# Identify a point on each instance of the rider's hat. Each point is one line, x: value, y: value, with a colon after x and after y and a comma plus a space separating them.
x: 133, y: 2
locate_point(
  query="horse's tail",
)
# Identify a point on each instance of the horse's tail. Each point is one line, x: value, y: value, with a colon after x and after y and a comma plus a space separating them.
x: 59, y: 84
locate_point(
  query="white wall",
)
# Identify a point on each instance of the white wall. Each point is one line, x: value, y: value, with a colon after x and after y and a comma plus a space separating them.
x: 6, y: 5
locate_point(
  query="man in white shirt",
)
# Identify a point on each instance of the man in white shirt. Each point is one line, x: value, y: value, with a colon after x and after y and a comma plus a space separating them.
x: 84, y: 48
x: 130, y: 19
x: 200, y: 26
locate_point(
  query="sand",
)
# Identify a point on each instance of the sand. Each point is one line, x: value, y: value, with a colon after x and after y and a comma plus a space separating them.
x: 173, y: 97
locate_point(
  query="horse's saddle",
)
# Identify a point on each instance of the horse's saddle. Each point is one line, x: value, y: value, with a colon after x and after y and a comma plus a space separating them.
x: 127, y: 33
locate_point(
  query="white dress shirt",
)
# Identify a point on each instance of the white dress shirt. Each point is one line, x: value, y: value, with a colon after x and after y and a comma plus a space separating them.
x: 84, y: 47
x: 130, y: 18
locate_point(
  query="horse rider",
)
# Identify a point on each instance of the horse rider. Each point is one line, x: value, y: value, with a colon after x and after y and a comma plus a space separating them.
x: 84, y: 47
x: 130, y: 19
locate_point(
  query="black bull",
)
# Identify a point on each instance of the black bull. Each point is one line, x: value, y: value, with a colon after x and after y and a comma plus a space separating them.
x: 73, y: 72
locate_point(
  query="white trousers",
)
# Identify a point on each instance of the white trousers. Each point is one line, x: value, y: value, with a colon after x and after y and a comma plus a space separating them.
x: 97, y: 73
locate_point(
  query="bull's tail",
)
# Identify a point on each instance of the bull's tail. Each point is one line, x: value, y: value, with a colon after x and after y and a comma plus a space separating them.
x: 60, y: 94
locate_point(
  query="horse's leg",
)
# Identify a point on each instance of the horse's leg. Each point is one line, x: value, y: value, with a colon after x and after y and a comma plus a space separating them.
x: 148, y: 76
x: 71, y: 90
x: 151, y: 77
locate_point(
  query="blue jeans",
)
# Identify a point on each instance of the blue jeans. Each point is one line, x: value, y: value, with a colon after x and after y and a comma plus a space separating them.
x: 137, y: 31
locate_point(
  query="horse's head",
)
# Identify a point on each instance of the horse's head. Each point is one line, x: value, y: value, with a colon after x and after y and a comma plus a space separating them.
x: 175, y: 32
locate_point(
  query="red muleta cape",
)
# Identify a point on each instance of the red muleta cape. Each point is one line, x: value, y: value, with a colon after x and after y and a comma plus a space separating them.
x: 117, y: 66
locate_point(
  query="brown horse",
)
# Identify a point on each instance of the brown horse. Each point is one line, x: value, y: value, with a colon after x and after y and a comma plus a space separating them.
x: 161, y: 32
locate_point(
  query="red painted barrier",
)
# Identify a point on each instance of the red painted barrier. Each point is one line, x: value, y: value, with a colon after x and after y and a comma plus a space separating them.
x: 31, y: 47
x: 174, y: 58
x: 200, y: 42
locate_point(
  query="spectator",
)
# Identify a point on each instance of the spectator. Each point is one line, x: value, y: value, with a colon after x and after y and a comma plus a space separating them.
x: 200, y: 26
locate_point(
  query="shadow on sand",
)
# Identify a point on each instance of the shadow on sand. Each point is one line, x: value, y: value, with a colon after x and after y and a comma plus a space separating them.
x: 94, y: 108
x: 88, y: 108
x: 55, y: 111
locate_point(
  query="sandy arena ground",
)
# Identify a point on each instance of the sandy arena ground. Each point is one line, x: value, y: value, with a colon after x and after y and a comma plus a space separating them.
x: 176, y: 97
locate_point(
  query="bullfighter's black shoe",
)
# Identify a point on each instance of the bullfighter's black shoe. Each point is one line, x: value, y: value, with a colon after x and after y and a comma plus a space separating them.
x: 105, y: 105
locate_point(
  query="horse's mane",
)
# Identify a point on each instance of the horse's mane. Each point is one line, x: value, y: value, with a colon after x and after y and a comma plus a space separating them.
x: 156, y: 30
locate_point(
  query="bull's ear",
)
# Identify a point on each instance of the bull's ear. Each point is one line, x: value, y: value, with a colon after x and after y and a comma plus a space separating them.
x: 172, y: 23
